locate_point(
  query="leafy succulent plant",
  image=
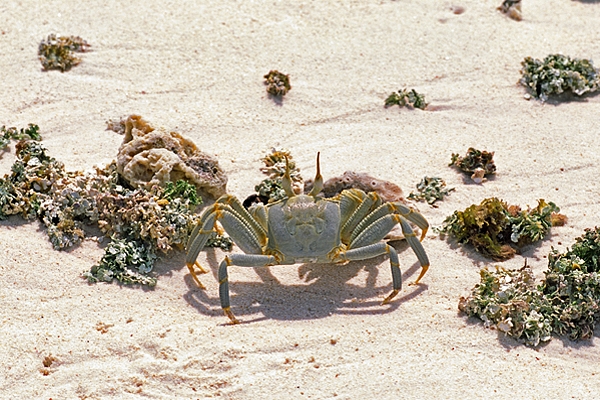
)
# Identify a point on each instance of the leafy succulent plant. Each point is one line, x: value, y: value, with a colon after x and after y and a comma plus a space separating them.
x: 566, y: 303
x: 406, y: 98
x: 556, y: 74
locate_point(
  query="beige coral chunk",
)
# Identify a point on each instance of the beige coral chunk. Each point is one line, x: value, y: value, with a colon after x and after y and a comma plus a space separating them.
x: 151, y: 157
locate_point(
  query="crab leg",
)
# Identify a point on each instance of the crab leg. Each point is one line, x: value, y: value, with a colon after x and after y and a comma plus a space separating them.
x: 377, y: 230
x: 374, y: 250
x: 240, y: 260
x: 237, y: 222
x: 371, y: 201
x: 393, y: 208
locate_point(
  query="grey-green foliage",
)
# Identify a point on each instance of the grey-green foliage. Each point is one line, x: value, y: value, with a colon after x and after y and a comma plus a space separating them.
x: 509, y: 301
x: 275, y: 167
x: 406, y: 98
x: 128, y: 261
x: 556, y: 74
x: 271, y: 188
x: 141, y: 222
x: 6, y: 134
x: 566, y: 303
x: 430, y: 189
x: 56, y: 52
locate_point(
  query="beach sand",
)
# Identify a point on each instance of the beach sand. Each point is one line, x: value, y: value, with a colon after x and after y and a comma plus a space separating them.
x: 309, y: 330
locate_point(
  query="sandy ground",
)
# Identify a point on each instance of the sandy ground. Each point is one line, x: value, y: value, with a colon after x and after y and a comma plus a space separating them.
x: 309, y: 331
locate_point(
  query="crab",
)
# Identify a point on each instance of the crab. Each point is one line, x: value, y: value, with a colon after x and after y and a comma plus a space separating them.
x: 306, y: 228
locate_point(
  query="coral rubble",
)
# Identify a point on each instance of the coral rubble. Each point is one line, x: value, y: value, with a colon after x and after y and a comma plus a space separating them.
x: 151, y: 157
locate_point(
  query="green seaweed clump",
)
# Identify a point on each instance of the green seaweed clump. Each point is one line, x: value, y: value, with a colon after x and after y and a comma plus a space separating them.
x: 275, y: 165
x: 476, y: 162
x: 150, y: 221
x: 498, y: 230
x: 57, y: 52
x: 557, y: 74
x: 6, y: 134
x: 30, y: 181
x: 572, y: 287
x: 430, y: 189
x: 566, y: 303
x: 278, y: 84
x: 122, y: 257
x: 221, y: 241
x: 510, y: 301
x: 512, y: 8
x: 406, y: 98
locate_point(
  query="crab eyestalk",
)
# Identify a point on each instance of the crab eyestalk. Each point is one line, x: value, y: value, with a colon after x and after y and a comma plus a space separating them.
x: 318, y: 184
x: 286, y: 181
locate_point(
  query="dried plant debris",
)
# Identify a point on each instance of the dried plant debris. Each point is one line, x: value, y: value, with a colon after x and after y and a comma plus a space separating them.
x: 151, y: 157
x: 223, y: 242
x: 498, y: 230
x: 406, y: 98
x: 388, y: 191
x: 512, y: 8
x: 510, y: 302
x: 557, y: 74
x: 567, y: 303
x: 275, y: 162
x: 476, y: 162
x: 126, y: 261
x: 141, y: 222
x: 6, y: 134
x: 431, y: 189
x: 56, y: 52
x: 278, y: 84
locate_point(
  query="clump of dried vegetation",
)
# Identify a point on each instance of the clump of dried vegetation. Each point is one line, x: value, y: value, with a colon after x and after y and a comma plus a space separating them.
x: 406, y: 98
x: 278, y: 84
x: 556, y: 74
x: 141, y: 222
x: 476, y: 162
x: 430, y: 189
x: 12, y: 133
x: 566, y: 303
x: 57, y: 52
x: 271, y: 189
x: 498, y: 230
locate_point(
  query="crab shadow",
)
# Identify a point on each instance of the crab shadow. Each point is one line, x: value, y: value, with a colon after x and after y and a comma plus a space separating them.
x: 326, y: 290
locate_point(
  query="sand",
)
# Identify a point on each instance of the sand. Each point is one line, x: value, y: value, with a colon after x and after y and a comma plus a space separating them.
x: 308, y: 331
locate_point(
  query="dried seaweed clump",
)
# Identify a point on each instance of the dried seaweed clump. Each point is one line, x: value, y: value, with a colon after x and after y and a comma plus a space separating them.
x: 557, y: 74
x: 498, y: 230
x: 512, y: 8
x: 430, y: 189
x: 476, y: 162
x: 127, y: 261
x: 567, y: 303
x: 150, y: 157
x: 510, y: 302
x: 6, y: 134
x: 57, y: 52
x: 388, y: 191
x: 278, y: 84
x: 406, y: 98
x: 270, y: 189
x: 30, y: 181
x: 140, y: 222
